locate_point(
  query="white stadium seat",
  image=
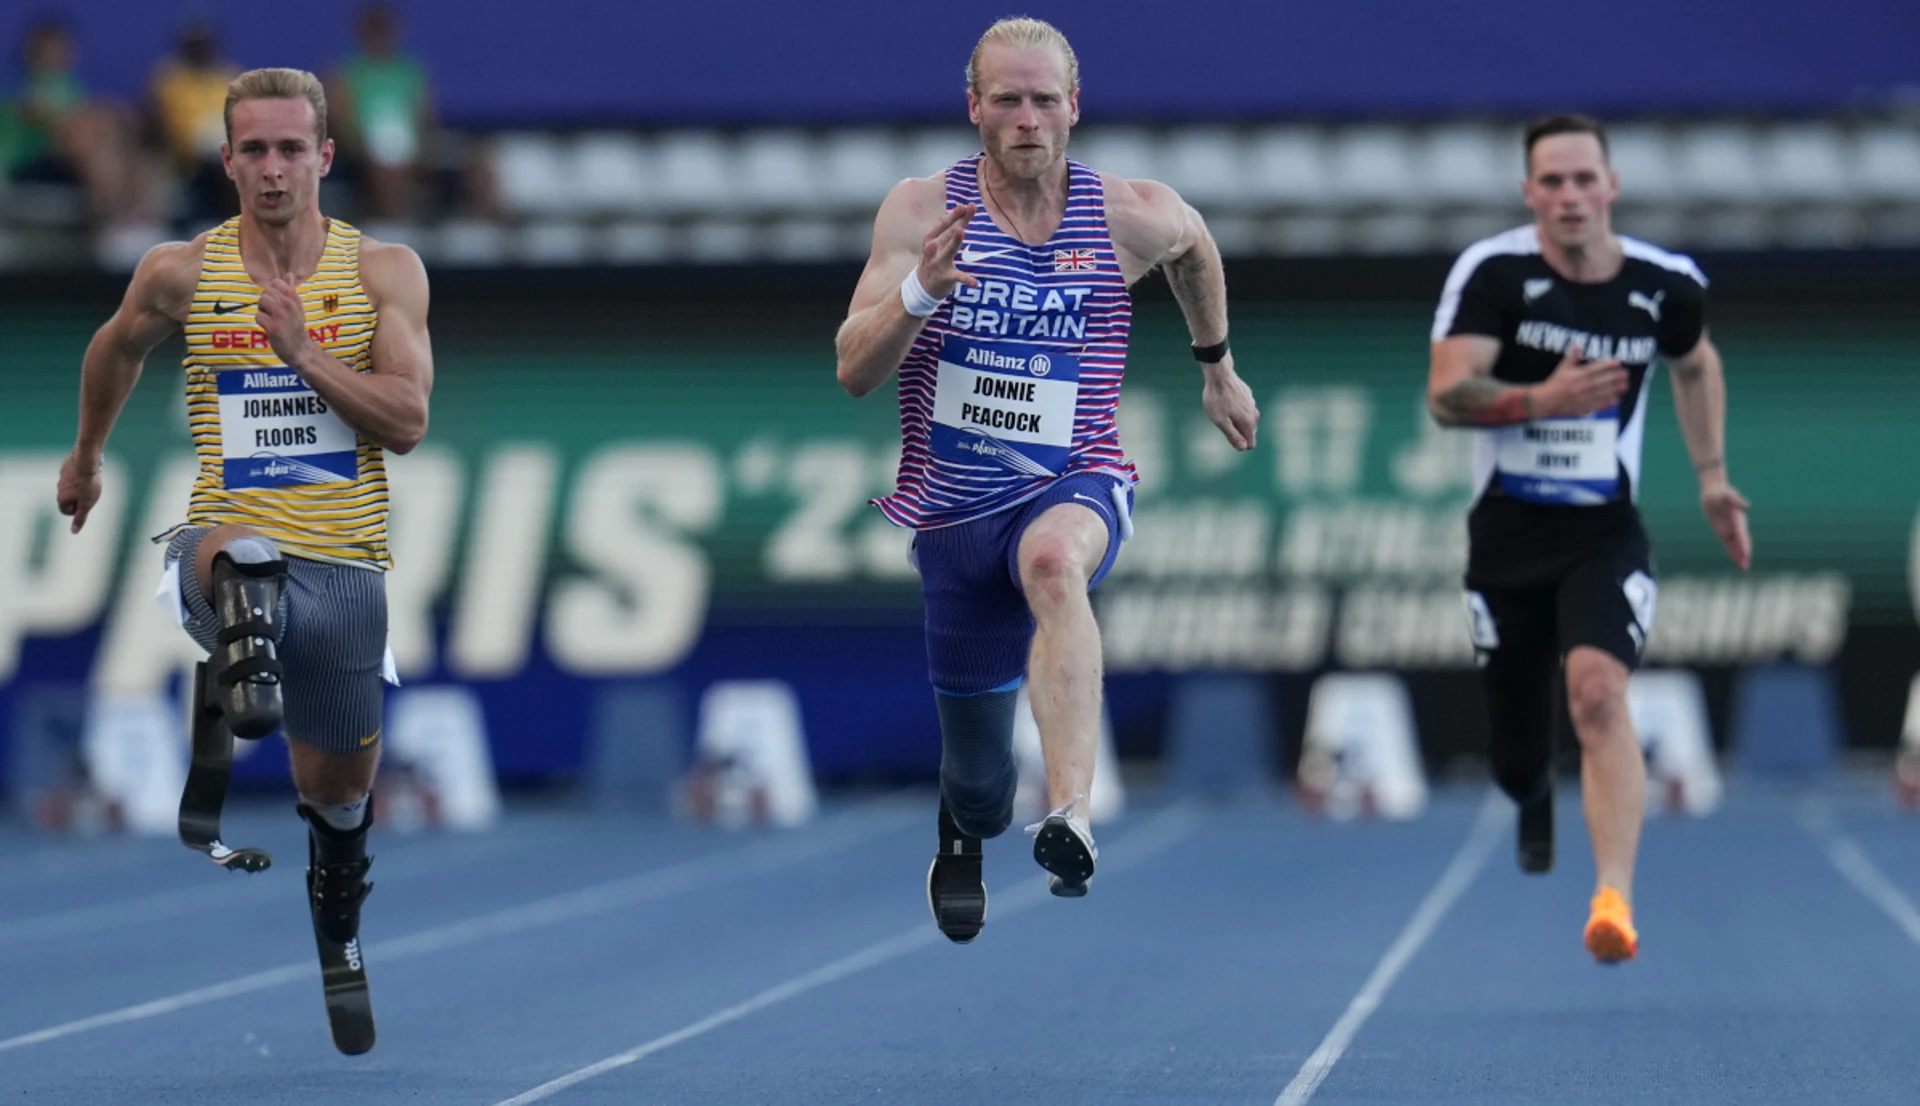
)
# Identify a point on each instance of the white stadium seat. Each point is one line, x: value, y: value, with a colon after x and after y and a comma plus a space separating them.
x: 1887, y: 163
x: 609, y: 173
x: 926, y: 152
x: 636, y: 242
x: 803, y: 240
x: 1206, y: 165
x: 859, y: 166
x: 1643, y: 156
x: 1718, y: 162
x: 1287, y: 166
x: 1372, y: 164
x: 694, y: 171
x: 531, y: 173
x: 1806, y: 161
x: 1471, y: 163
x: 555, y: 242
x: 779, y: 170
x: 1129, y: 152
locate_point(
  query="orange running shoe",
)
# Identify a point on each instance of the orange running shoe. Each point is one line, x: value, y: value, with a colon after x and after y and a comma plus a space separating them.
x: 1611, y: 937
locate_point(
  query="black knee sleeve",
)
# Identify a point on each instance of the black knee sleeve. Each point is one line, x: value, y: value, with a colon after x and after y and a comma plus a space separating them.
x: 977, y: 774
x: 245, y: 666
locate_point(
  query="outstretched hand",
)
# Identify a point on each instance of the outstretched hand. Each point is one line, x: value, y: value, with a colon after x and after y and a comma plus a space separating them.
x: 1229, y: 403
x: 1726, y: 511
x: 78, y: 491
x: 939, y: 275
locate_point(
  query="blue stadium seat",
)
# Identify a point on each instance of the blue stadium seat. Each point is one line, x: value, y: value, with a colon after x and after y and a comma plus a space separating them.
x: 1786, y: 725
x: 639, y: 742
x: 1222, y: 735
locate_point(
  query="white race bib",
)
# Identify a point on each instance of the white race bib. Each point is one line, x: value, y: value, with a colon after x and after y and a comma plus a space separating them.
x: 276, y: 432
x: 1005, y: 402
x: 1569, y: 461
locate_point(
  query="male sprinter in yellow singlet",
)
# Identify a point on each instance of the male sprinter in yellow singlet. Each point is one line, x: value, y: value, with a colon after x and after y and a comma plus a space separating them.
x: 307, y: 357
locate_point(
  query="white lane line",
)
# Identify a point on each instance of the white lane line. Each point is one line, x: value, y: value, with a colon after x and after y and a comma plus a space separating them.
x: 1847, y: 856
x: 694, y: 874
x: 1454, y: 882
x: 1156, y: 836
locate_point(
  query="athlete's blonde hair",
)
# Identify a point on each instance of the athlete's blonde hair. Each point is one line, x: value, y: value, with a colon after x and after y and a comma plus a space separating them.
x: 1027, y: 34
x: 279, y: 84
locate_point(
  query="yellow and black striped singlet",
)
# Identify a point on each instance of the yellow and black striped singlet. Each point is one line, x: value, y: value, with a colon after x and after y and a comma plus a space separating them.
x: 272, y: 455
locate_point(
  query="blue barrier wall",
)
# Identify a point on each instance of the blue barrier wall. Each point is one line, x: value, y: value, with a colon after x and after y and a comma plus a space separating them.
x: 503, y: 61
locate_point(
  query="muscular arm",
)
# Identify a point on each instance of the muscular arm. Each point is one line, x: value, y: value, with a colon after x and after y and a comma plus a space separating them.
x: 1152, y: 226
x: 387, y: 406
x: 157, y: 301
x: 1461, y: 390
x: 1198, y: 279
x: 878, y: 331
x: 1700, y: 402
x: 155, y: 306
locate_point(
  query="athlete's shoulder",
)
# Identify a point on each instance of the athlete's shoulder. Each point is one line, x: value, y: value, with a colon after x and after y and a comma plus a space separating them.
x: 391, y: 269
x: 1126, y: 196
x: 1678, y: 268
x: 1144, y: 217
x: 917, y: 200
x: 167, y: 275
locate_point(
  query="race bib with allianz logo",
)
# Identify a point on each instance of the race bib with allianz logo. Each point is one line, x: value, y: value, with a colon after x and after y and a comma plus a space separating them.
x: 1565, y: 461
x: 1005, y: 403
x: 276, y: 432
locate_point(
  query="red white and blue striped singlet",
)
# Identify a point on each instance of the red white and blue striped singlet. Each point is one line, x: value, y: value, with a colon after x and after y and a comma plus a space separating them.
x: 1015, y: 383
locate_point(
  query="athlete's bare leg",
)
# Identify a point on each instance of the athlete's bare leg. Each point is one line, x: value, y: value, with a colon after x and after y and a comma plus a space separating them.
x: 215, y: 540
x: 333, y: 779
x: 1613, y: 771
x: 1058, y: 556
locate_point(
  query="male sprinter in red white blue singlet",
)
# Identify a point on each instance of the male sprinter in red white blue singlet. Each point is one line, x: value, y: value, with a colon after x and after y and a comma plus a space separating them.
x: 998, y: 291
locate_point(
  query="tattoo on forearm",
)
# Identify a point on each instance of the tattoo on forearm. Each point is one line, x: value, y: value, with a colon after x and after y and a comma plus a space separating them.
x: 1484, y: 401
x: 1201, y: 293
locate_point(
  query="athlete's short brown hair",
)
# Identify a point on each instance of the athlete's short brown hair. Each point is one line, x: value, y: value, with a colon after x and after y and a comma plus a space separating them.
x: 279, y: 84
x: 1549, y: 125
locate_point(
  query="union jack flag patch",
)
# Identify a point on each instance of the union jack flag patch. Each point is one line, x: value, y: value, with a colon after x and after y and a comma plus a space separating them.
x: 1076, y: 261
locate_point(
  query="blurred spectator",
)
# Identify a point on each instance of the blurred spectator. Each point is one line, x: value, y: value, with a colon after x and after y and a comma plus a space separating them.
x: 189, y: 99
x: 382, y: 105
x: 52, y: 131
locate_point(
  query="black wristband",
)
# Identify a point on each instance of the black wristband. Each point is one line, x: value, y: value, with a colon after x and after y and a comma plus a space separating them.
x: 1211, y: 355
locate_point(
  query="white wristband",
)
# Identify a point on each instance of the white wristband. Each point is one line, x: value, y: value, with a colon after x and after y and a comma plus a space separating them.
x: 918, y: 301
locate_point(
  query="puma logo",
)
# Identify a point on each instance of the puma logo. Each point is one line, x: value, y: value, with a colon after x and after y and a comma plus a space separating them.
x: 1650, y: 305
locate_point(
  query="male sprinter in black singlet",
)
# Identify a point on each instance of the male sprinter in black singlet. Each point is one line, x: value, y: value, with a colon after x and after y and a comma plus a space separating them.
x: 307, y: 357
x: 1545, y: 339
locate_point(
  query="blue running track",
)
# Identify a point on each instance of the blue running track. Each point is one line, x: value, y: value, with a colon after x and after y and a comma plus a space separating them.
x: 1246, y: 954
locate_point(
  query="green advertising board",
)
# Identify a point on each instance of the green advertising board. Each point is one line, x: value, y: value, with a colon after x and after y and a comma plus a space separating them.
x: 613, y: 499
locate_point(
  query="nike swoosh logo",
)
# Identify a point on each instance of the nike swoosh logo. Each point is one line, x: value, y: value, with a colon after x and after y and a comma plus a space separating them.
x: 220, y: 307
x: 971, y: 257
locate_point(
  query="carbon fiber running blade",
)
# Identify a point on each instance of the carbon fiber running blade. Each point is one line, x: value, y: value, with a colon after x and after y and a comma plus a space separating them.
x: 343, y: 973
x: 205, y: 793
